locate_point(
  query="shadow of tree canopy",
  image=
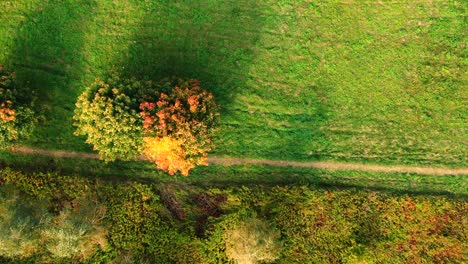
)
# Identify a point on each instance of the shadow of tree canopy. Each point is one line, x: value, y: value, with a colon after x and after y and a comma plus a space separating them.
x: 46, y: 55
x: 211, y: 41
x: 217, y: 42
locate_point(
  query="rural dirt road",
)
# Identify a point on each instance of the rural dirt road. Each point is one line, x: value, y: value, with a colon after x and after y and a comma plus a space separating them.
x: 326, y: 165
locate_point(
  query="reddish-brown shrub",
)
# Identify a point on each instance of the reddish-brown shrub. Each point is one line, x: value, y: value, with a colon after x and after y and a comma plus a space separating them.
x: 16, y: 120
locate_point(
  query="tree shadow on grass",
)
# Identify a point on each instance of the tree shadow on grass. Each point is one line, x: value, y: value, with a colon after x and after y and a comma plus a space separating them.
x: 211, y: 41
x: 46, y: 55
x: 304, y: 140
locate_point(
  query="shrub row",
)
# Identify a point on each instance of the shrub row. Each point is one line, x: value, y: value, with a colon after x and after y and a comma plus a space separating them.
x: 47, y: 218
x: 135, y: 222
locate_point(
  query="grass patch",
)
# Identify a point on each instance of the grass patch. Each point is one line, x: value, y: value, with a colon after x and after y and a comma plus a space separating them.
x: 350, y: 81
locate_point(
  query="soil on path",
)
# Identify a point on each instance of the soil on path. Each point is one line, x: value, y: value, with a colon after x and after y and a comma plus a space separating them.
x: 327, y: 165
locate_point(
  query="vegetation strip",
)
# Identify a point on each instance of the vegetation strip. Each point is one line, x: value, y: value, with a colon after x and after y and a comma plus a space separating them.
x: 327, y: 165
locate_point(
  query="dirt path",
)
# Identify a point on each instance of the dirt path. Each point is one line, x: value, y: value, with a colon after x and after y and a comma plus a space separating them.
x: 327, y: 165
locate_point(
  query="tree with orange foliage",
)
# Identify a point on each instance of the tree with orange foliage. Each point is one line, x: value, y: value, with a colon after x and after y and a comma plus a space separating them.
x: 168, y: 154
x: 178, y: 128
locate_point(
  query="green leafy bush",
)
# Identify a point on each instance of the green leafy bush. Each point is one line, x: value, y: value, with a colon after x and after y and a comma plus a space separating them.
x: 137, y: 228
x: 16, y: 120
x: 107, y: 114
x: 314, y: 224
x: 134, y: 215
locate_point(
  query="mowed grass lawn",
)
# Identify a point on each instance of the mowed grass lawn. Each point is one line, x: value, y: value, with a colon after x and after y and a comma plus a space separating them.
x: 372, y: 81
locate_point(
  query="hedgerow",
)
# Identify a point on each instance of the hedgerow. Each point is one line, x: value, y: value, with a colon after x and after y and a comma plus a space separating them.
x: 131, y: 222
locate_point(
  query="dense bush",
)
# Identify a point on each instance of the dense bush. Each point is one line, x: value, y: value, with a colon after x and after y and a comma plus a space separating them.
x: 316, y: 227
x: 171, y: 122
x: 16, y: 120
x: 140, y: 228
x: 107, y: 113
x: 178, y: 127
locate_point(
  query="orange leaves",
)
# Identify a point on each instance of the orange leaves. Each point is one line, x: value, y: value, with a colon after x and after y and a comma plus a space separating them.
x: 178, y: 127
x: 7, y: 80
x: 6, y: 113
x: 186, y: 104
x: 193, y: 102
x: 168, y: 154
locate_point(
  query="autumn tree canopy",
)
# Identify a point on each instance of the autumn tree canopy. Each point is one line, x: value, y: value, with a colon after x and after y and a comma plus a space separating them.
x: 178, y: 128
x: 170, y: 123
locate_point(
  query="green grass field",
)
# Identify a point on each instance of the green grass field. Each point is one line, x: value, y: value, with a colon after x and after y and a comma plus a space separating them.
x: 371, y: 81
x: 348, y: 80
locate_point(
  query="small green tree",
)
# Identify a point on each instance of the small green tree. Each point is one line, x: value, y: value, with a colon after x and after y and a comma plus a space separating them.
x: 107, y: 113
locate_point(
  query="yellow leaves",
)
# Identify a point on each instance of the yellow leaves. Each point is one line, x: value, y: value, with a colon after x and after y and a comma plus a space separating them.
x: 168, y: 154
